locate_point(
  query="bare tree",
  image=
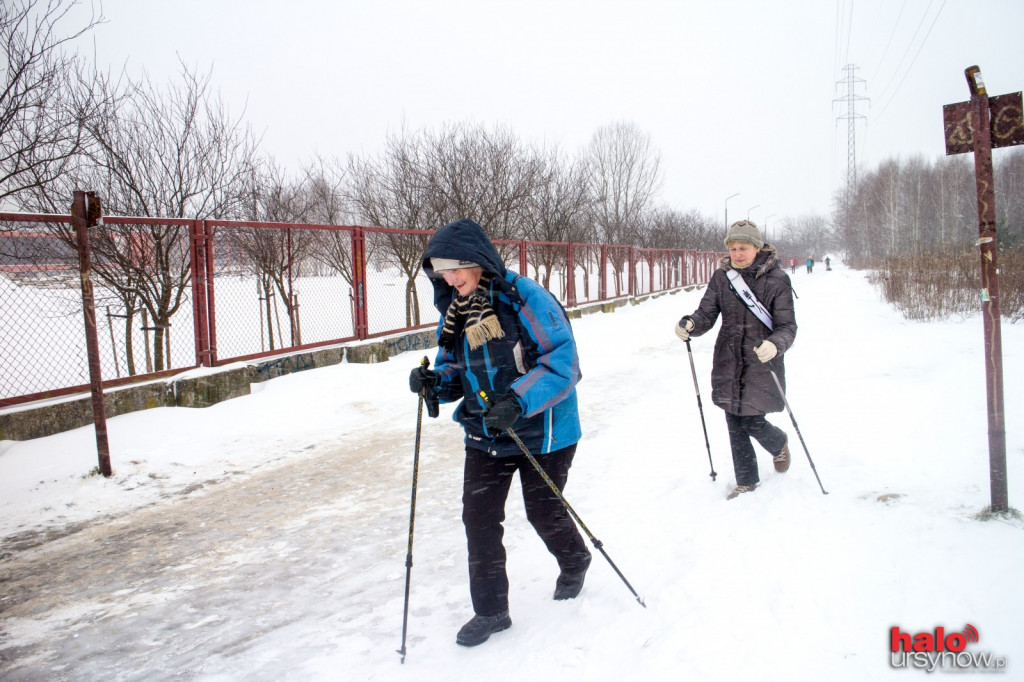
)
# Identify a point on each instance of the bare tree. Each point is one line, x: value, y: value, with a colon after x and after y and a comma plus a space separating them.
x: 909, y: 207
x: 483, y: 174
x: 275, y: 255
x: 43, y: 105
x: 326, y: 182
x: 674, y: 229
x: 557, y: 211
x: 331, y: 204
x: 175, y: 154
x: 392, y: 191
x: 1010, y: 198
x: 625, y: 175
x: 808, y: 234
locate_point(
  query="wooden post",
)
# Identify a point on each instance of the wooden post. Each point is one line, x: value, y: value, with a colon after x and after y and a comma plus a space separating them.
x: 360, y: 322
x: 978, y: 126
x: 113, y: 343
x: 85, y: 211
x: 990, y: 311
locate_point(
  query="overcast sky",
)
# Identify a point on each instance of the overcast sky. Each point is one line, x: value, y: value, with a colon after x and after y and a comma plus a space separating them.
x: 738, y: 97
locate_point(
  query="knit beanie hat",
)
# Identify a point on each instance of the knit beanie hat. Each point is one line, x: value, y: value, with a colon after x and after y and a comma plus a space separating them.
x: 744, y: 231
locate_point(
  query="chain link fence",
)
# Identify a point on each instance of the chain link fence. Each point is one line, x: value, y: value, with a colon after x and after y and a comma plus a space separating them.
x: 173, y: 294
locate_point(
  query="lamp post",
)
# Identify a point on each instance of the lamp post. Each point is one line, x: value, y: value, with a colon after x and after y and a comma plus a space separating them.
x: 751, y: 209
x: 727, y: 209
x: 766, y: 223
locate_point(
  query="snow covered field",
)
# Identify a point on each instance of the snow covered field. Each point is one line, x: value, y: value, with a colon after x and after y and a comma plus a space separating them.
x: 264, y: 538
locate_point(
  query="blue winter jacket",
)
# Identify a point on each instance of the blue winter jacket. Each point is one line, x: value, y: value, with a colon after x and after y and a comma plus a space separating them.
x: 536, y: 359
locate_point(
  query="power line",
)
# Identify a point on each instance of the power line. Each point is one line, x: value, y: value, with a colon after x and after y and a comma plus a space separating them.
x: 924, y: 41
x: 842, y: 50
x: 910, y: 45
x: 835, y: 55
x: 892, y: 33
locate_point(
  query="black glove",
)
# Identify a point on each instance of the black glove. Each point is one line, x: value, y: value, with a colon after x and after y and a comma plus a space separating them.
x: 422, y: 377
x: 433, y: 403
x: 504, y: 413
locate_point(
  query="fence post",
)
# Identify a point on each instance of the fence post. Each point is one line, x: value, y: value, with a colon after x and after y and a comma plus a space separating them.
x: 291, y: 291
x: 632, y: 271
x: 602, y: 286
x: 360, y: 321
x: 85, y: 211
x: 570, y: 277
x: 650, y: 271
x: 199, y: 304
x: 211, y: 298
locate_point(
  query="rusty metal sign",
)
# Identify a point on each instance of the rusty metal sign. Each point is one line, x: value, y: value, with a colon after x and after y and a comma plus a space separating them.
x: 1007, y: 121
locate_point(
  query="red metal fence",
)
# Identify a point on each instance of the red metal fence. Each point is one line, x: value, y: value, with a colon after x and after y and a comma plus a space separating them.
x: 174, y: 294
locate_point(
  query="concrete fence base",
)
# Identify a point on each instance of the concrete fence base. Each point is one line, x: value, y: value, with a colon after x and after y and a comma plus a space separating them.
x: 203, y: 387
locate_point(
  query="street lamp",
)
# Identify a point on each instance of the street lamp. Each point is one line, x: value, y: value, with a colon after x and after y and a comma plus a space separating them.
x: 751, y: 209
x: 727, y: 209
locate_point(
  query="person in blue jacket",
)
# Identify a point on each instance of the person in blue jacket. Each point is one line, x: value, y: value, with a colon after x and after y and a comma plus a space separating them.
x: 506, y: 335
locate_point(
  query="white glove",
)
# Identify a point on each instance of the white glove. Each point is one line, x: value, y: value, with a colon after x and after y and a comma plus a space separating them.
x: 766, y: 351
x: 683, y: 329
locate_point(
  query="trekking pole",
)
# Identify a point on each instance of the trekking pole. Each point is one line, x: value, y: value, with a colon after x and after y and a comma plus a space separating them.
x: 558, y: 493
x: 783, y: 394
x: 700, y: 406
x: 412, y: 511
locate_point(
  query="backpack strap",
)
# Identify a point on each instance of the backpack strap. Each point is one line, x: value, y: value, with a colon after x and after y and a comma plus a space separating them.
x: 740, y: 288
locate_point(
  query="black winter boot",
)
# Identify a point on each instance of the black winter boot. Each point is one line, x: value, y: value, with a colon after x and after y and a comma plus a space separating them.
x: 568, y: 585
x: 480, y: 628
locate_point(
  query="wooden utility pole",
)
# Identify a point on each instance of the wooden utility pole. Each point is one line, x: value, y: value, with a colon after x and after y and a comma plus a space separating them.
x: 980, y: 125
x: 85, y: 213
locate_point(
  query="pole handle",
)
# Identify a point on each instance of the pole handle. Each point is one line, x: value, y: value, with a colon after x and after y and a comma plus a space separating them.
x: 433, y: 405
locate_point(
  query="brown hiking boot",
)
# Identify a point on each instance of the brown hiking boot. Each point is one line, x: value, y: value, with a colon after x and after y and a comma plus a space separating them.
x: 739, y: 490
x: 782, y: 460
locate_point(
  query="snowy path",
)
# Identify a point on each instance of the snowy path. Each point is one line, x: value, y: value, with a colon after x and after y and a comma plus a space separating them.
x: 288, y: 562
x: 207, y: 575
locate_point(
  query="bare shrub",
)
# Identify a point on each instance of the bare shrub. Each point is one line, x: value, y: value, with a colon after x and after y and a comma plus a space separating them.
x: 941, y: 285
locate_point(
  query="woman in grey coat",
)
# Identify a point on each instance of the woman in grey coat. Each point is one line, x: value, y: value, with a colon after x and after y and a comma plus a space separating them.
x: 741, y: 383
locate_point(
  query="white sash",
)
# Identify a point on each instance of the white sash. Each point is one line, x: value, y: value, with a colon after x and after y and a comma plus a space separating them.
x: 748, y: 298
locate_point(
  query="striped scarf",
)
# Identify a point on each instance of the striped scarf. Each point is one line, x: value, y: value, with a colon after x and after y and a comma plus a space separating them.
x: 473, y: 314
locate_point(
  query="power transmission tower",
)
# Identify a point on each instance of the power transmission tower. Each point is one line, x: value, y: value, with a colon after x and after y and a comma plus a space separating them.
x: 850, y: 100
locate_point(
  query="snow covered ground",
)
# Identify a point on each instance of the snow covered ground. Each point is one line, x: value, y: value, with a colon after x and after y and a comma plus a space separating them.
x: 265, y: 538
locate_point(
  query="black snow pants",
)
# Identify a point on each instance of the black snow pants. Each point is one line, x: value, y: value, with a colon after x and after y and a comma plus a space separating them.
x: 741, y: 430
x: 485, y: 487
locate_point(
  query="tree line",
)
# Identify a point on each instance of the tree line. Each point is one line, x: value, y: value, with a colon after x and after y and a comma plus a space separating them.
x: 914, y: 223
x: 914, y: 207
x: 175, y: 150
